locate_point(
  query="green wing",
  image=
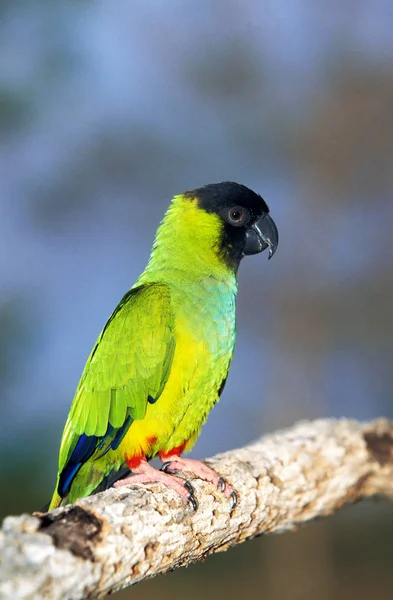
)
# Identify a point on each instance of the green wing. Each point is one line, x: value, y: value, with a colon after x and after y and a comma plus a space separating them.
x: 127, y: 368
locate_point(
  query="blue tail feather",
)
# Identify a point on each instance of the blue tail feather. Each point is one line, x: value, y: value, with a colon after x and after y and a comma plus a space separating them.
x: 85, y: 448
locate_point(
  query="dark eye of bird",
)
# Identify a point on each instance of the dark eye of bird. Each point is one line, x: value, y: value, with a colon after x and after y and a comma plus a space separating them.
x: 238, y: 216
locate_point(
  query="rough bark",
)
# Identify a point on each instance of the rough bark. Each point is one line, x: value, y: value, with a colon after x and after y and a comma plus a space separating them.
x: 119, y: 537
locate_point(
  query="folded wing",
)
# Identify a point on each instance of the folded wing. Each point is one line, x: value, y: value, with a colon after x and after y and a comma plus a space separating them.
x: 127, y: 368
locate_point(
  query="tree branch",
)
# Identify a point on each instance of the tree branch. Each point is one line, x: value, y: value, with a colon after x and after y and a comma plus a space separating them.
x: 121, y: 536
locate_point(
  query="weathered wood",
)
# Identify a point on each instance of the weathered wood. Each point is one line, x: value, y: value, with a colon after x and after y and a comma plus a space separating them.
x: 122, y: 536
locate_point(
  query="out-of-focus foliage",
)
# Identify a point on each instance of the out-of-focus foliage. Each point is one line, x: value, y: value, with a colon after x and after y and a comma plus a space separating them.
x: 106, y: 111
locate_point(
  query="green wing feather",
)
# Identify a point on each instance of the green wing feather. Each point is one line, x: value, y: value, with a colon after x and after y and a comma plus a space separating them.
x: 129, y: 365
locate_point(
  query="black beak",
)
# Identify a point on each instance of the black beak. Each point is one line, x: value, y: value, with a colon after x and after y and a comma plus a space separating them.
x: 263, y: 234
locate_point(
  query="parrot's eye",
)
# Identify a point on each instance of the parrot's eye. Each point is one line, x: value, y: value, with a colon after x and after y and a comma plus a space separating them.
x: 238, y: 216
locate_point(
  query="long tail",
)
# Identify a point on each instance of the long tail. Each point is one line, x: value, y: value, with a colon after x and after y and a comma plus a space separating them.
x: 106, y: 483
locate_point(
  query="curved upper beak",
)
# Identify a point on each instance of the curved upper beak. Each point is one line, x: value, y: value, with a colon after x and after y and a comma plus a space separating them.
x: 261, y: 235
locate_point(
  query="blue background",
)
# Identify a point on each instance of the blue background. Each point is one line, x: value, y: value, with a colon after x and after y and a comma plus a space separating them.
x: 109, y: 109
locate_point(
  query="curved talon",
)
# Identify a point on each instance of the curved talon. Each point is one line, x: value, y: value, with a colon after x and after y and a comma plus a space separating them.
x: 221, y: 484
x: 191, y: 495
x: 165, y: 465
x: 202, y: 471
x: 194, y: 502
x: 189, y: 487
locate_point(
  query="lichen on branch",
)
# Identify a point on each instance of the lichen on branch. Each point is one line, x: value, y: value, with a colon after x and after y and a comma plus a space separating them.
x: 122, y: 536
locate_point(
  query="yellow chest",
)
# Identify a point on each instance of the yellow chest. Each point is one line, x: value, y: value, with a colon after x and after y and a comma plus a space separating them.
x: 200, y: 365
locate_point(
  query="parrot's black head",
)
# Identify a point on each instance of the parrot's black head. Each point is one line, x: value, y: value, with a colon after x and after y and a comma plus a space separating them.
x: 247, y: 225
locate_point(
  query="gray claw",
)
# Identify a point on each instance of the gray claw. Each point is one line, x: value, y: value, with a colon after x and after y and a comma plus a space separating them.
x: 189, y: 487
x: 234, y: 500
x: 191, y: 496
x: 221, y: 484
x: 193, y: 501
x: 165, y: 466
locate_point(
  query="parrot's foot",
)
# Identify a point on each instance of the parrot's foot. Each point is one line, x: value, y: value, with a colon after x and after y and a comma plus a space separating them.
x: 144, y: 473
x: 202, y: 471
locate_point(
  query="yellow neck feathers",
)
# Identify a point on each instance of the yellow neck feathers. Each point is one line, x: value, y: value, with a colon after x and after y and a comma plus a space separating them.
x: 189, y: 240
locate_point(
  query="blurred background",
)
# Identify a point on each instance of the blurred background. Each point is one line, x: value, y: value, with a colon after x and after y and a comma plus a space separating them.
x: 109, y: 109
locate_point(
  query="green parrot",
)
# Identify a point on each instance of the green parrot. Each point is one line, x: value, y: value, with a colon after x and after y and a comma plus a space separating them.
x: 161, y: 361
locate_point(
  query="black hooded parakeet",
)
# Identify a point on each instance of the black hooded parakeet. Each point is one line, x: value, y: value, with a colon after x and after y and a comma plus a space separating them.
x: 162, y: 359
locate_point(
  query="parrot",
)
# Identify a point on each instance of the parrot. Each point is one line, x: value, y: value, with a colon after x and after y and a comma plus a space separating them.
x: 161, y: 362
